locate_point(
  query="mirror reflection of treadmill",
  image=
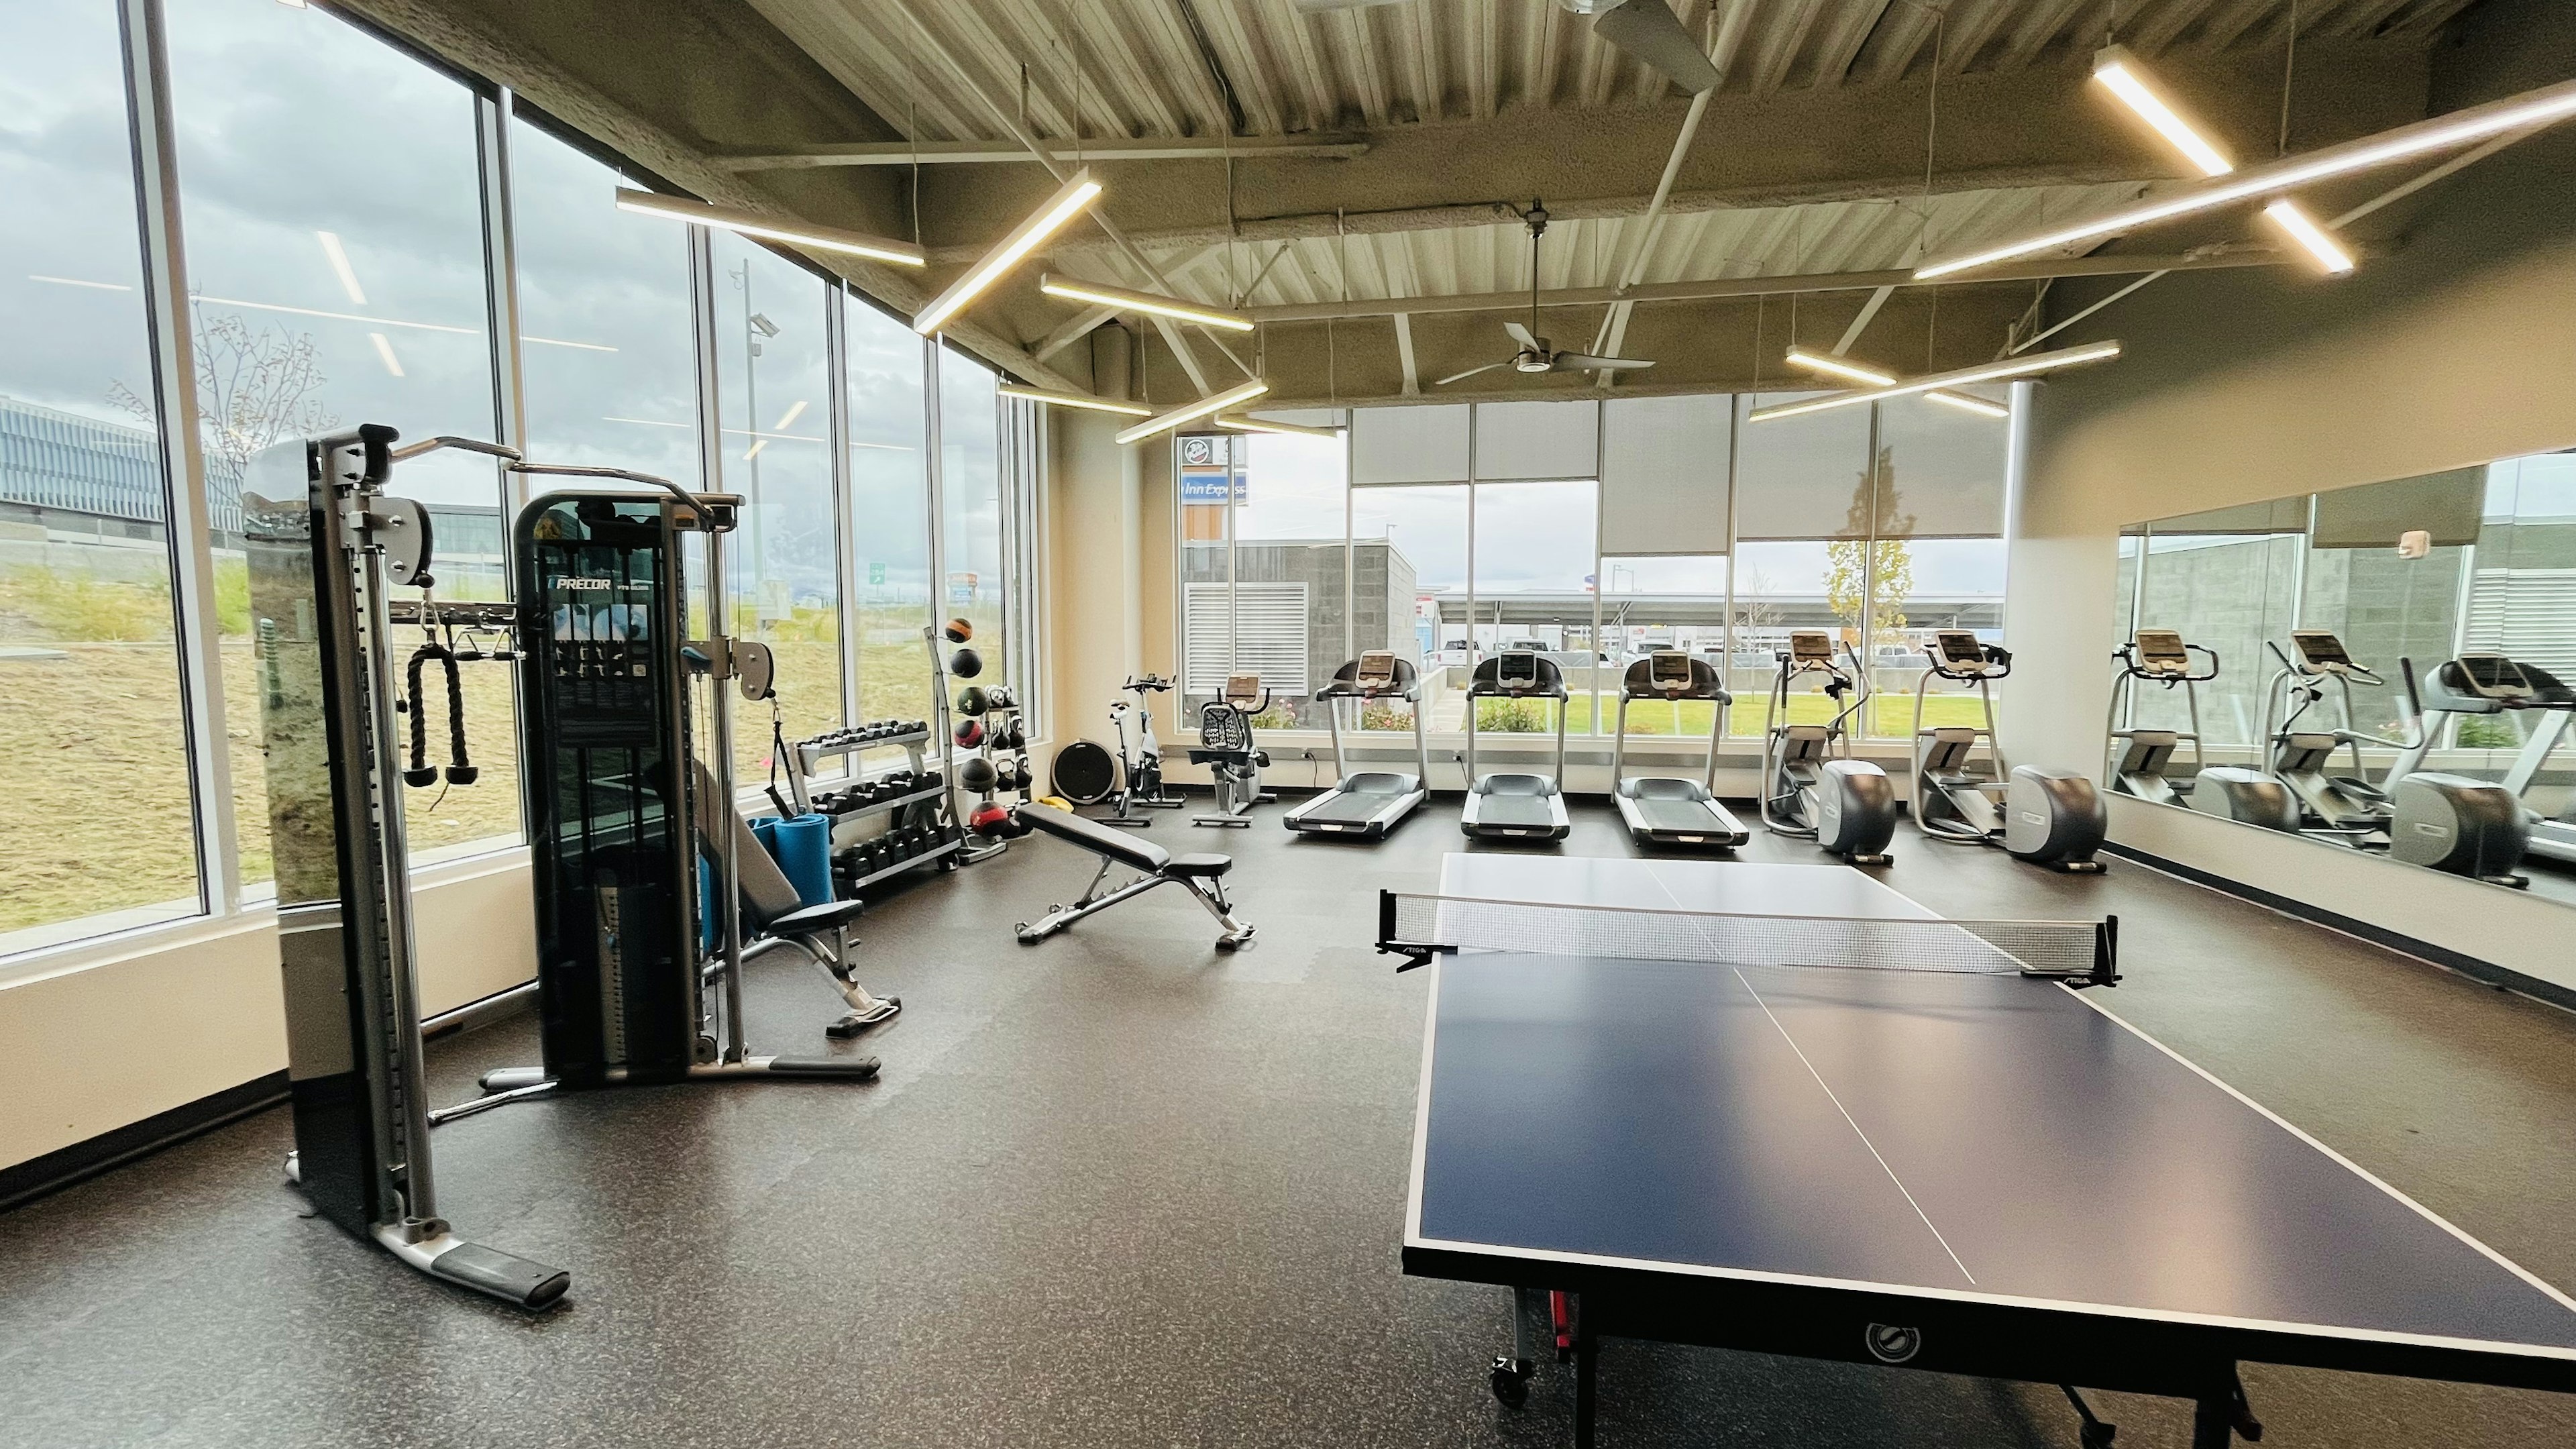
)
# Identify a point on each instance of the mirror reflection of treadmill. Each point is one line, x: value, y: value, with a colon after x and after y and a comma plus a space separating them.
x: 1366, y: 804
x: 1667, y: 809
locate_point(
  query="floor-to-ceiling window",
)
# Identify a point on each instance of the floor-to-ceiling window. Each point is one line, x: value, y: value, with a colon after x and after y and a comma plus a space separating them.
x: 889, y: 514
x: 972, y: 517
x: 1596, y: 532
x: 773, y: 372
x: 95, y: 799
x: 333, y: 205
x: 340, y: 207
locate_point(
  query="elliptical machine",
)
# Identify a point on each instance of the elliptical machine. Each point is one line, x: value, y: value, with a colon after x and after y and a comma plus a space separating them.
x: 1225, y: 747
x: 2455, y: 823
x: 2053, y: 818
x: 1812, y: 788
x: 2344, y: 808
x: 2159, y: 657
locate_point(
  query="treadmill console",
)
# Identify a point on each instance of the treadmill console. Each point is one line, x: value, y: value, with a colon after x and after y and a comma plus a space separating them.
x: 1669, y: 670
x: 1516, y: 671
x: 1376, y: 672
x: 2320, y: 652
x: 2493, y: 676
x: 2161, y: 655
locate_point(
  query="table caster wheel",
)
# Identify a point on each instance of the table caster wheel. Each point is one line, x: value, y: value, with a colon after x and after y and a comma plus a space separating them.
x: 1511, y: 1382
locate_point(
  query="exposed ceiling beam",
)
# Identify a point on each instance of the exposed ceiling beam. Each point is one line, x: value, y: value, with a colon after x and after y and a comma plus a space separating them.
x: 1404, y: 355
x: 1679, y: 203
x: 993, y: 153
x: 1073, y: 330
x: 2108, y: 265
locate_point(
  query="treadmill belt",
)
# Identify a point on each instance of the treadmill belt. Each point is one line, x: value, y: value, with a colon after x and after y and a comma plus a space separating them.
x: 1520, y: 811
x: 1350, y: 807
x: 1684, y: 815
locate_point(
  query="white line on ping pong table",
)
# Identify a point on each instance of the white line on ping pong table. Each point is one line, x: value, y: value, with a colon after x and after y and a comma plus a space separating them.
x: 1830, y: 1096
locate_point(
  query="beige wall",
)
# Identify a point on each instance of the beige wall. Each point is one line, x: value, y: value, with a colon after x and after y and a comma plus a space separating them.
x: 2455, y: 346
x: 1095, y: 577
x: 111, y: 1041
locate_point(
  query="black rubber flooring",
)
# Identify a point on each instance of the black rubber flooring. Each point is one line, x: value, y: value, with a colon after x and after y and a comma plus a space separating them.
x: 1119, y: 1189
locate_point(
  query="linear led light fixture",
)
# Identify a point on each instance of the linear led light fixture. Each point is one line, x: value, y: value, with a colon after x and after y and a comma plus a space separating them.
x: 1982, y: 372
x: 1833, y: 366
x: 2532, y: 109
x: 2120, y: 73
x: 340, y: 267
x: 2303, y: 229
x: 1069, y: 201
x: 1074, y: 400
x: 1969, y: 403
x: 1213, y: 403
x: 1073, y: 289
x: 1246, y: 423
x: 822, y: 238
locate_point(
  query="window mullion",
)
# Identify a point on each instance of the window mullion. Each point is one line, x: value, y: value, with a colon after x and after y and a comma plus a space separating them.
x: 189, y: 530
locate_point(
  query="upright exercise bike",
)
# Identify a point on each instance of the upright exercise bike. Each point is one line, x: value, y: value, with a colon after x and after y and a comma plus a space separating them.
x: 2047, y: 817
x: 1812, y: 789
x: 1225, y: 747
x: 1086, y: 774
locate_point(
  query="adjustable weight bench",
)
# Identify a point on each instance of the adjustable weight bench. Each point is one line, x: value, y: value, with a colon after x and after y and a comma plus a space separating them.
x: 1202, y: 874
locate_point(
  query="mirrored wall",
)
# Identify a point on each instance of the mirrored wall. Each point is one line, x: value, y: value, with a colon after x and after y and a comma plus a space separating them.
x: 2388, y: 668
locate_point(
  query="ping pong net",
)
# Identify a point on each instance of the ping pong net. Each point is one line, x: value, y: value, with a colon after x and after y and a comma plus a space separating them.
x: 2081, y: 953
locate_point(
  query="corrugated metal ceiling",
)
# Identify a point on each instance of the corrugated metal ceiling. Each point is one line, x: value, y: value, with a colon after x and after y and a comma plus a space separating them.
x: 1143, y: 67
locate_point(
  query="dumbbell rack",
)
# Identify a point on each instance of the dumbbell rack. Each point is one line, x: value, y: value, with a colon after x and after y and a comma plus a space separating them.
x: 918, y: 748
x: 997, y: 720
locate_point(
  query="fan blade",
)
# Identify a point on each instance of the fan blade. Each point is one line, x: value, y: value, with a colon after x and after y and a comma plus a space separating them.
x: 1577, y: 362
x: 1650, y: 32
x: 1470, y: 372
x: 1522, y: 336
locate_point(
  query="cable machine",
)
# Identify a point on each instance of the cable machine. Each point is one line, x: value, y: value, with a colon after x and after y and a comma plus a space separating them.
x: 635, y: 842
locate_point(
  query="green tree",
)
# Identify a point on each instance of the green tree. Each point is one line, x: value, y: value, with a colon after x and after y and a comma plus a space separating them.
x: 1874, y: 607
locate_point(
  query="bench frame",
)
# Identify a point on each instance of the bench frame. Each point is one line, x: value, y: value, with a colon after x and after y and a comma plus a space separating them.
x: 1208, y: 891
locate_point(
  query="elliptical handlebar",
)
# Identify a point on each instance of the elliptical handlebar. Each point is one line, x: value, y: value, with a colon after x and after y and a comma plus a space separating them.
x: 2127, y: 658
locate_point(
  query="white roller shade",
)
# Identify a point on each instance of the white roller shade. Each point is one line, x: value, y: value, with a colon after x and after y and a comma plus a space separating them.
x: 1409, y: 445
x: 1523, y: 441
x: 1802, y: 477
x: 1263, y: 632
x: 1663, y: 475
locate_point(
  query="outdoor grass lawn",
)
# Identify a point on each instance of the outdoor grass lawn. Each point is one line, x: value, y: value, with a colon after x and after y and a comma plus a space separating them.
x: 94, y: 806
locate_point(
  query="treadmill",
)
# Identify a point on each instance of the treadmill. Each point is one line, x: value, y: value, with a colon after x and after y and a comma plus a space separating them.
x: 1512, y: 805
x: 1368, y: 803
x: 1664, y: 809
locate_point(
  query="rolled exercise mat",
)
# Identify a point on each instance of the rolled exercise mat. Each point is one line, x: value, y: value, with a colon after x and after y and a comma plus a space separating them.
x: 802, y: 846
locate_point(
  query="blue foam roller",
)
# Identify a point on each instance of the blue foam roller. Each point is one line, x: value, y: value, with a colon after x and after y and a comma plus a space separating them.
x: 802, y: 845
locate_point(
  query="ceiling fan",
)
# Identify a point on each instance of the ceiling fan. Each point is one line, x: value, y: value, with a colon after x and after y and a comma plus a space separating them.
x: 1652, y: 36
x: 1534, y: 354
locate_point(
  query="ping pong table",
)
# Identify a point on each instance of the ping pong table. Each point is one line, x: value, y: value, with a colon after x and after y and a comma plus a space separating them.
x: 1967, y: 1171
